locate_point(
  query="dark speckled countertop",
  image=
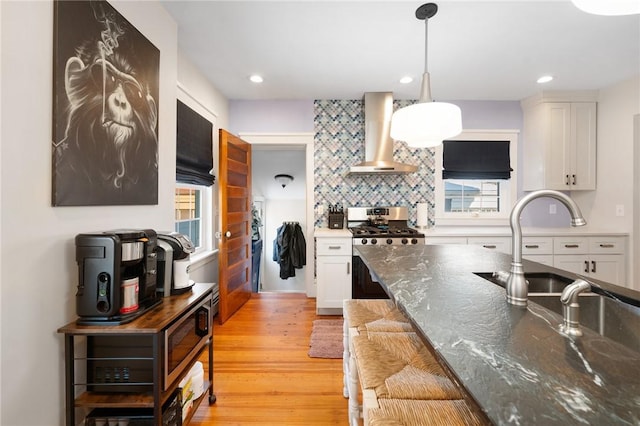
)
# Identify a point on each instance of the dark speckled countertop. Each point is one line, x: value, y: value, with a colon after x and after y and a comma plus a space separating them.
x: 512, y: 361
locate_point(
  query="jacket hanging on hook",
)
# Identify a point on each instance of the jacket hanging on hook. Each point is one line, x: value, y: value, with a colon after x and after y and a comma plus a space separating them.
x: 290, y: 249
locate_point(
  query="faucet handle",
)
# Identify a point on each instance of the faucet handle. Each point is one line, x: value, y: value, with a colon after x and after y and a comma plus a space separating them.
x: 502, y: 277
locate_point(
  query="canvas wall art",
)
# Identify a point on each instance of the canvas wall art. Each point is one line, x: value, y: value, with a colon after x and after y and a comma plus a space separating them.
x: 105, y: 108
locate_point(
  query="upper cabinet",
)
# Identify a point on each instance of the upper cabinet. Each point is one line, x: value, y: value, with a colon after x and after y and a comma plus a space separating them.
x: 560, y: 141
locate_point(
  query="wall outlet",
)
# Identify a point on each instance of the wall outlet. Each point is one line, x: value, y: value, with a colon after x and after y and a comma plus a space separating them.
x: 619, y: 209
x: 552, y: 209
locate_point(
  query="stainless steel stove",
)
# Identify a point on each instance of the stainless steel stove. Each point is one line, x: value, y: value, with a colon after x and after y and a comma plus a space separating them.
x: 382, y: 226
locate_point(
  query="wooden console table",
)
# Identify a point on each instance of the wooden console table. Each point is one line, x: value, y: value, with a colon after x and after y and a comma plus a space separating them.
x: 151, y: 326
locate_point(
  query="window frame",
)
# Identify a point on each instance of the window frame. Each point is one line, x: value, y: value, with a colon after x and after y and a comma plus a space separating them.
x: 508, y: 188
x: 206, y: 239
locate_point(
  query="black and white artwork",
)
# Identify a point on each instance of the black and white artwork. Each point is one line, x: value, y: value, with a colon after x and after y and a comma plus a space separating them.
x: 105, y: 108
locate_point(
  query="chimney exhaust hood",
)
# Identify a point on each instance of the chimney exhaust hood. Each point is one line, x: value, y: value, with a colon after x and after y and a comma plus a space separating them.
x: 378, y: 145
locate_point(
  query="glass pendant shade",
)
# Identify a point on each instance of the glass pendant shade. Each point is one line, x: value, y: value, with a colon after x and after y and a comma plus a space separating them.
x: 608, y: 7
x: 426, y: 124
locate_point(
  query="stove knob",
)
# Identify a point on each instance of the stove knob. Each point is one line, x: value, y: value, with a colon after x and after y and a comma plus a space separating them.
x: 374, y: 241
x: 389, y: 241
x: 414, y: 241
x: 364, y: 241
x: 404, y: 241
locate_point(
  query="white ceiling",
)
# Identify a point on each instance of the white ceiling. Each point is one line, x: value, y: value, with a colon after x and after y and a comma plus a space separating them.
x: 478, y: 50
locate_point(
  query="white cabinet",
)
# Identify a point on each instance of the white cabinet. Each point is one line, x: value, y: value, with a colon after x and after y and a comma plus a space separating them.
x: 560, y: 141
x: 500, y: 244
x: 601, y: 258
x: 333, y: 273
x: 538, y: 249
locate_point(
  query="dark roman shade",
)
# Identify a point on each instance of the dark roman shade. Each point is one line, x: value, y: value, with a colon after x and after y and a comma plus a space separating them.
x: 476, y: 160
x: 194, y: 156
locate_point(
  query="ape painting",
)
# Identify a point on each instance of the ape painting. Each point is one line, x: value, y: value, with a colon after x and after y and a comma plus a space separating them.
x: 105, y: 110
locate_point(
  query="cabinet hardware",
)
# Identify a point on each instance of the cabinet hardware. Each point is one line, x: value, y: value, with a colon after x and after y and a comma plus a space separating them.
x: 571, y: 246
x: 334, y: 247
x: 348, y: 268
x: 593, y: 266
x: 607, y: 245
x: 586, y: 266
x: 532, y: 246
x: 489, y: 246
x: 574, y: 180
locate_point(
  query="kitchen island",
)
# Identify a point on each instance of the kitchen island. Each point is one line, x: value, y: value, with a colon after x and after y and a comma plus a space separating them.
x: 514, y: 362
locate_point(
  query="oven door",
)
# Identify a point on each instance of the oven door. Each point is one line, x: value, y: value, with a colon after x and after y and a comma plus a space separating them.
x: 185, y: 338
x: 363, y: 285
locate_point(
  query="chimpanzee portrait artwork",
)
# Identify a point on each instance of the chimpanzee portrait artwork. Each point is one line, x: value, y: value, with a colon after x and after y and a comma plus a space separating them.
x: 105, y: 108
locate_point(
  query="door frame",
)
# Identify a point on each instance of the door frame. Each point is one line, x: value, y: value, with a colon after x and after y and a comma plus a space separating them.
x: 295, y: 140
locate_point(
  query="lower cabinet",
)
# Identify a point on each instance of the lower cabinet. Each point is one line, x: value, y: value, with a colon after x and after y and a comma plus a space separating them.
x: 597, y: 257
x: 601, y: 257
x: 333, y: 273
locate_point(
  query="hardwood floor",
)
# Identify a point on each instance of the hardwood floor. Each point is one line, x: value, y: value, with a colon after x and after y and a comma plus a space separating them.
x: 262, y: 373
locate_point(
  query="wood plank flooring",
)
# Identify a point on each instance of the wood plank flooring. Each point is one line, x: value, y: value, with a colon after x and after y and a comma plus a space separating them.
x: 262, y: 373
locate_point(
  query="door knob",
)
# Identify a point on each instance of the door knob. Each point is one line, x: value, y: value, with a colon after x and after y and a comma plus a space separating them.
x: 227, y: 234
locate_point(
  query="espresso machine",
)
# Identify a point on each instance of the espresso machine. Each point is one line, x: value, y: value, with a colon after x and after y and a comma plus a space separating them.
x: 116, y: 275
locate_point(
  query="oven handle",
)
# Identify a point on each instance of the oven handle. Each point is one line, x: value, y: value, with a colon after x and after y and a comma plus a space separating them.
x: 202, y: 321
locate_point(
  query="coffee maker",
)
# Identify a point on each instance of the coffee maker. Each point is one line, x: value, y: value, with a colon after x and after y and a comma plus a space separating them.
x: 116, y: 275
x: 174, y: 262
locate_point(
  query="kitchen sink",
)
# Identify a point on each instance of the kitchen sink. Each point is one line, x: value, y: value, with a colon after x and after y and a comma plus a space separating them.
x: 539, y: 282
x: 608, y: 314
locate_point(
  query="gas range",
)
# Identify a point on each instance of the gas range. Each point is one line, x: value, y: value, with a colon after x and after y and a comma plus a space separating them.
x: 381, y: 226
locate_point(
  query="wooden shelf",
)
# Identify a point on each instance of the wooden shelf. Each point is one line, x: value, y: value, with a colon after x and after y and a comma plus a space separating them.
x: 117, y: 400
x: 153, y: 323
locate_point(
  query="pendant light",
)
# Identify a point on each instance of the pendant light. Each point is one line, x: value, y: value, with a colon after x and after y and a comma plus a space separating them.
x: 608, y: 7
x: 426, y: 123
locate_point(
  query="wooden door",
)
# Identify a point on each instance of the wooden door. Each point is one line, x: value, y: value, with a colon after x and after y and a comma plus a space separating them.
x: 235, y: 213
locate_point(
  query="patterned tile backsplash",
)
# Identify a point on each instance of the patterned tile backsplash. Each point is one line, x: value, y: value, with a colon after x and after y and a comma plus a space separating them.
x: 339, y: 144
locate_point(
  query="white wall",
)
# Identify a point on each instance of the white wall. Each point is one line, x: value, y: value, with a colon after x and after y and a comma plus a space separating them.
x: 38, y: 290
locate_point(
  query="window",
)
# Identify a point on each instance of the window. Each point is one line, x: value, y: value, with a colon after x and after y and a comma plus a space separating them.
x: 189, y: 213
x: 194, y: 172
x: 474, y: 180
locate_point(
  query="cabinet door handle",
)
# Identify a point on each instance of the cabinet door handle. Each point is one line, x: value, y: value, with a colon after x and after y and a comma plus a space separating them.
x: 531, y: 246
x: 489, y: 246
x: 571, y: 246
x: 566, y: 179
x: 607, y: 245
x: 348, y: 268
x: 593, y: 266
x: 334, y: 247
x: 586, y: 266
x: 574, y: 179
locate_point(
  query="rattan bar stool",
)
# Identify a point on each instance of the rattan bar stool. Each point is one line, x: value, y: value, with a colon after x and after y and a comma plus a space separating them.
x: 407, y: 412
x: 361, y: 316
x: 392, y: 365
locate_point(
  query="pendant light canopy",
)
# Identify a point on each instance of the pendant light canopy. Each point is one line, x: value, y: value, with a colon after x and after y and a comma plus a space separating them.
x: 609, y: 7
x: 426, y: 123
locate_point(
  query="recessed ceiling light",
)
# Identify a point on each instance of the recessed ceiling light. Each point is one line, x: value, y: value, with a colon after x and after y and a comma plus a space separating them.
x: 545, y: 79
x: 406, y: 80
x: 256, y: 78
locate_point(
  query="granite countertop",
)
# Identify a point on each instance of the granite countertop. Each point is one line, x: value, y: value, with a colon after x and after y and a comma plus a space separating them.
x: 512, y: 361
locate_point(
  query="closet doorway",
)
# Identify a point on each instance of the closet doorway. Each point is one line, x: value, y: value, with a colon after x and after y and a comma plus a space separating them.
x: 290, y: 154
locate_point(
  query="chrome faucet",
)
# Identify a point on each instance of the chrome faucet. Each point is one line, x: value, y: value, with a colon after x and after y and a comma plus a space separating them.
x: 517, y: 288
x: 571, y: 307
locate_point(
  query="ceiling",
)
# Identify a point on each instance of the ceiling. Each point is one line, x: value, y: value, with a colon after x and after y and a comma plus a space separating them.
x: 477, y: 50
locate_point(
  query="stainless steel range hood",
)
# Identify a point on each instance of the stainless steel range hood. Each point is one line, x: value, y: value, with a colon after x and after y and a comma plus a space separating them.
x: 378, y: 145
